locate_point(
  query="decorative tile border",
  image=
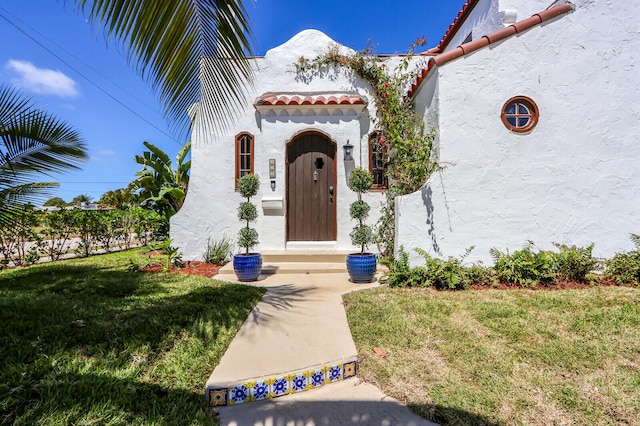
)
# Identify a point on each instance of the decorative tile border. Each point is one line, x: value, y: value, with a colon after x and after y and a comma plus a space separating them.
x: 282, y: 385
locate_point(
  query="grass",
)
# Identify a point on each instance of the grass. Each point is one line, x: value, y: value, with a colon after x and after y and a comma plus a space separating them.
x: 504, y: 357
x: 87, y: 341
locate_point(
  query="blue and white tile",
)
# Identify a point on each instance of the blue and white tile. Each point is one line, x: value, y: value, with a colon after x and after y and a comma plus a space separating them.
x: 333, y: 373
x: 280, y: 387
x: 299, y: 382
x: 261, y: 390
x: 239, y: 394
x: 316, y: 378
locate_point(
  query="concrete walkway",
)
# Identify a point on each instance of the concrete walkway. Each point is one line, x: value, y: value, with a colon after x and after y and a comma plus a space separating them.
x: 300, y: 327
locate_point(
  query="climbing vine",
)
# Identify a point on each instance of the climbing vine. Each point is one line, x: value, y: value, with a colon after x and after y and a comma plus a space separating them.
x: 410, y: 159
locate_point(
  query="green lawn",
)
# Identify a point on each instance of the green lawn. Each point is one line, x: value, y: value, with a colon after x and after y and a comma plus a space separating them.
x: 87, y: 341
x: 568, y: 357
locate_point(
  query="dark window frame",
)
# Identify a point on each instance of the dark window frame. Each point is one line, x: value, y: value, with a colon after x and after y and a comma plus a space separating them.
x: 377, y: 161
x: 244, y: 159
x: 531, y: 114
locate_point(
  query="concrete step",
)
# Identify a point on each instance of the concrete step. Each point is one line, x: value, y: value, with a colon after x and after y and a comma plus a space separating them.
x: 306, y: 256
x: 298, y: 262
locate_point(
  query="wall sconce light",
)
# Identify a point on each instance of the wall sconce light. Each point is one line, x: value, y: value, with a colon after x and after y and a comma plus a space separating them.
x: 348, y: 151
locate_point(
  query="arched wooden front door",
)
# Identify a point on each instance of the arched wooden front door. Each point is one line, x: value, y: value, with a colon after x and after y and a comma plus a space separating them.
x: 311, y: 183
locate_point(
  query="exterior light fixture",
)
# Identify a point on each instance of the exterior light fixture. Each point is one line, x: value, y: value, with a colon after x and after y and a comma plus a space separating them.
x: 348, y: 151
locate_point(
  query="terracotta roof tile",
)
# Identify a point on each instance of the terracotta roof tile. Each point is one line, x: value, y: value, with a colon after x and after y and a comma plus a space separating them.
x: 465, y: 49
x: 271, y: 99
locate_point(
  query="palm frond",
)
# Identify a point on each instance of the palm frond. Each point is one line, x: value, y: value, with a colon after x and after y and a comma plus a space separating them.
x: 33, y: 141
x: 166, y: 40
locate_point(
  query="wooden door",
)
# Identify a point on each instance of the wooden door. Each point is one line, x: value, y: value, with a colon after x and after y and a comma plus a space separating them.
x: 311, y: 183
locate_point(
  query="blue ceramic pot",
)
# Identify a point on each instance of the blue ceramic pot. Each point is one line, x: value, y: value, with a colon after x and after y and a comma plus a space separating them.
x: 247, y: 266
x: 361, y: 267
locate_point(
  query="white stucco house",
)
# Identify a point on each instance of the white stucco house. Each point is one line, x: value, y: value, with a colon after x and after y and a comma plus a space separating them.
x: 535, y: 108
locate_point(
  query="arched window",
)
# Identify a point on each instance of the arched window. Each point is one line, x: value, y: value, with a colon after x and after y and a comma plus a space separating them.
x: 520, y: 114
x: 244, y: 154
x: 378, y: 160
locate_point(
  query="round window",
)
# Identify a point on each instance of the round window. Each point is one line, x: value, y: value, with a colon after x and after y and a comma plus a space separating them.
x: 520, y: 114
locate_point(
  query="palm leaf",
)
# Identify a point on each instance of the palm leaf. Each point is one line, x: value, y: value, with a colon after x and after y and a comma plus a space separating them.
x: 166, y: 41
x: 31, y: 142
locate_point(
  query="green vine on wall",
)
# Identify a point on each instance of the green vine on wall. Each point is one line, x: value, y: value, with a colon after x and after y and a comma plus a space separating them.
x: 409, y: 147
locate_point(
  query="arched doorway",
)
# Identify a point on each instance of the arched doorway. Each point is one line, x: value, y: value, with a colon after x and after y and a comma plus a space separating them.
x: 311, y: 188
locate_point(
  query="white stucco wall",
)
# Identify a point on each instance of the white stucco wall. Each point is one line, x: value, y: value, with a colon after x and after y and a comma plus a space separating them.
x: 210, y: 208
x: 574, y: 178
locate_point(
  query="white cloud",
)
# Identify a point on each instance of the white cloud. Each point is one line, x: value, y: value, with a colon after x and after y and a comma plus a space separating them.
x: 41, y: 80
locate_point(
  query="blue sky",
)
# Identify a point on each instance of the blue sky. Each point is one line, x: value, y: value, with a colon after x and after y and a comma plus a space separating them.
x: 79, y: 76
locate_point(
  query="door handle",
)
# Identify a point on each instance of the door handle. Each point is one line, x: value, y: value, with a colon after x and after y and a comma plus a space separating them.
x: 331, y: 194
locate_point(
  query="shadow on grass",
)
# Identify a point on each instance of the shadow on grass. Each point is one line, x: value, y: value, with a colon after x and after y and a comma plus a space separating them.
x: 73, y: 398
x: 69, y: 334
x: 444, y: 415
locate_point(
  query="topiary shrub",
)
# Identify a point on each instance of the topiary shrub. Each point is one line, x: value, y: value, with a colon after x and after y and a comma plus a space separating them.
x: 248, y: 186
x: 360, y: 180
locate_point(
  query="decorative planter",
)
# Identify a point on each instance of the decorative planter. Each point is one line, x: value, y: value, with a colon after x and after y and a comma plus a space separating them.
x: 361, y: 267
x: 247, y: 266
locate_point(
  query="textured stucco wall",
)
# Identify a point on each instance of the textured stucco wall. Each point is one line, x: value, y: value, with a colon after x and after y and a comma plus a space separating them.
x: 210, y: 207
x: 574, y: 178
x: 482, y: 19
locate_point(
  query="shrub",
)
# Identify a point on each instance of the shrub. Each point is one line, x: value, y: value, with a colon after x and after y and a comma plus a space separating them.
x: 574, y: 263
x: 248, y: 186
x: 59, y: 227
x: 624, y: 268
x: 481, y: 275
x: 19, y: 242
x: 524, y: 267
x: 360, y: 181
x: 399, y: 270
x: 447, y: 274
x: 218, y: 252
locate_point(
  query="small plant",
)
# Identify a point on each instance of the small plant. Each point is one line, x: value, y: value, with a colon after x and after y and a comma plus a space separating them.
x: 360, y: 181
x: 447, y: 274
x: 134, y: 266
x: 248, y: 186
x: 399, y: 270
x: 218, y: 252
x: 524, y: 267
x: 624, y: 268
x: 173, y: 258
x: 574, y: 263
x: 450, y: 274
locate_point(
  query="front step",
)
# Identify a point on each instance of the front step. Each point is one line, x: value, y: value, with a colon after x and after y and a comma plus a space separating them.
x: 274, y: 386
x: 298, y: 262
